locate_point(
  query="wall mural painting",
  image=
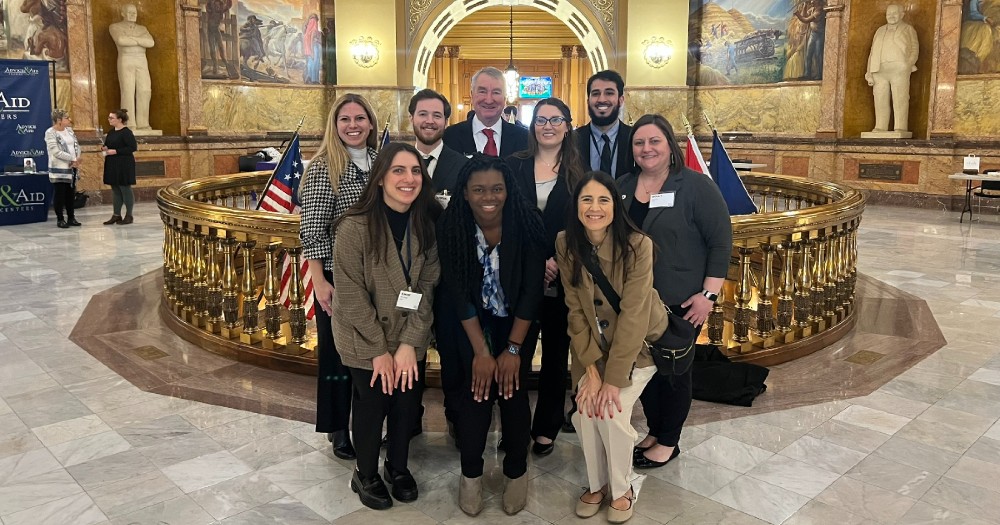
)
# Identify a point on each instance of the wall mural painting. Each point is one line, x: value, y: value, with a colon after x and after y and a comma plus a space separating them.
x: 734, y: 42
x: 36, y: 30
x: 268, y: 41
x: 979, y: 51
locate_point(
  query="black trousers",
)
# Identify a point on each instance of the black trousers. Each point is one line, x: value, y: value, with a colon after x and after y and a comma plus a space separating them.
x: 449, y: 336
x: 549, y: 409
x: 666, y: 401
x: 62, y: 200
x: 371, y: 409
x: 473, y: 418
x: 333, y: 385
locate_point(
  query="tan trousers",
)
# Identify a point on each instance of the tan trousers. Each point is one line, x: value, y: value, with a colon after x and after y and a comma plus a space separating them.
x: 607, y: 443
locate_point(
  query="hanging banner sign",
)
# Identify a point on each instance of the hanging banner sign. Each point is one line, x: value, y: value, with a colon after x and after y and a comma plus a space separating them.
x: 25, y: 113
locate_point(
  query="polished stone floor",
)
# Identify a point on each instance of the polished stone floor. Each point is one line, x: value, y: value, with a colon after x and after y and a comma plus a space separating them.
x: 79, y: 444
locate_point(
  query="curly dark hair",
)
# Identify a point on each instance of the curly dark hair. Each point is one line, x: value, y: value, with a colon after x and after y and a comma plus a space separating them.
x: 578, y: 244
x: 457, y: 226
x: 424, y: 210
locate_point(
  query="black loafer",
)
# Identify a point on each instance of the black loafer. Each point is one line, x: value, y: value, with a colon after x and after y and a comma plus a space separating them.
x: 642, y: 462
x: 372, y: 492
x: 74, y: 222
x: 342, y: 446
x: 404, y: 487
x: 62, y: 224
x: 542, y: 449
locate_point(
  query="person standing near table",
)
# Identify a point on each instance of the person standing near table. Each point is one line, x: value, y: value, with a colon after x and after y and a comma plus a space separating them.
x: 336, y: 177
x: 64, y: 159
x: 119, y: 166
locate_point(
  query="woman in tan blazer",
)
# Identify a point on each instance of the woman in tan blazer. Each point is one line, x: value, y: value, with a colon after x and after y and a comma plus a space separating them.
x: 611, y: 364
x: 386, y: 266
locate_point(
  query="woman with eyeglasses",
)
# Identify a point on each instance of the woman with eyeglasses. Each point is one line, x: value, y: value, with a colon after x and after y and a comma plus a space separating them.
x: 64, y: 160
x: 547, y: 172
x: 119, y: 166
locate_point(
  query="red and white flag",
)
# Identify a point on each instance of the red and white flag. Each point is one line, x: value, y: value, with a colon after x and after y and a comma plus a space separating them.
x: 693, y: 158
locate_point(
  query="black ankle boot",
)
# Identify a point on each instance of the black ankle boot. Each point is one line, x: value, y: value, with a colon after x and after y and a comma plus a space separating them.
x: 371, y: 491
x: 404, y: 487
x: 342, y: 446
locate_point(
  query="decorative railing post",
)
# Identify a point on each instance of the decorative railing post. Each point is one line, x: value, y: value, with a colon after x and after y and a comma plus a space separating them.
x: 200, y: 291
x: 168, y: 260
x: 214, y: 278
x: 230, y: 289
x: 741, y: 318
x: 765, y: 307
x: 272, y: 291
x: 251, y: 330
x: 818, y: 289
x: 187, y: 286
x: 830, y: 288
x: 296, y: 298
x: 787, y: 293
x: 803, y: 304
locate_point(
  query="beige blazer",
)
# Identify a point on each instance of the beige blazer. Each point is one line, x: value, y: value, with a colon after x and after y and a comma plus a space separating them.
x: 366, y: 323
x: 643, y: 315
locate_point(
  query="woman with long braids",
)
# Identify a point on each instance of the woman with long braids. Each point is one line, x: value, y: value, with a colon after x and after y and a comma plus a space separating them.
x: 491, y: 243
x: 386, y: 266
x: 336, y: 176
x: 548, y: 171
x: 611, y: 363
x: 684, y: 213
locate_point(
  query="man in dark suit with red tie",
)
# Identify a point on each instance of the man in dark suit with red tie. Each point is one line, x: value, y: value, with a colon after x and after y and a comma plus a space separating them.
x: 486, y: 132
x: 604, y: 142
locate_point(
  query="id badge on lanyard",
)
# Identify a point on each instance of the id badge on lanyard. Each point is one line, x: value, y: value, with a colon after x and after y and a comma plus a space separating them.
x: 408, y: 300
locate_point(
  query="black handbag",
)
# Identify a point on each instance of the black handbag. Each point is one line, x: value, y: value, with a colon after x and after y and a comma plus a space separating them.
x: 673, y: 352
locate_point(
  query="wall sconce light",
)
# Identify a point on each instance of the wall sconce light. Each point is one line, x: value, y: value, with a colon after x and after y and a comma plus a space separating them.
x: 364, y: 51
x: 657, y: 51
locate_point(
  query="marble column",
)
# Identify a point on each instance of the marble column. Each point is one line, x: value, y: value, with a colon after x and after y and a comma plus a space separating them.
x: 834, y: 60
x: 942, y: 100
x: 189, y: 68
x: 83, y: 106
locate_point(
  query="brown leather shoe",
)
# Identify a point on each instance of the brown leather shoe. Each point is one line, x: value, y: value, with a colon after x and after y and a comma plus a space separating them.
x: 126, y: 220
x: 115, y: 219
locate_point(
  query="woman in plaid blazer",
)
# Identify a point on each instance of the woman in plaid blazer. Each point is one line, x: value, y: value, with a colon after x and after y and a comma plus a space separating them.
x: 386, y: 267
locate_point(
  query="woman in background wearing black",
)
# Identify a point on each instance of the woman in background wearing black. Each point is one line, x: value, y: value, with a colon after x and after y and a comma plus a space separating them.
x: 548, y: 171
x: 119, y: 166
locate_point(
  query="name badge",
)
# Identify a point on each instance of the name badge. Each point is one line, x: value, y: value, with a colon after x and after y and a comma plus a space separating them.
x: 662, y: 200
x: 408, y: 301
x: 443, y: 198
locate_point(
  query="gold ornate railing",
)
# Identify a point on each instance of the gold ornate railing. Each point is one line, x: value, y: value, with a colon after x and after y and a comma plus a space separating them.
x: 790, y: 289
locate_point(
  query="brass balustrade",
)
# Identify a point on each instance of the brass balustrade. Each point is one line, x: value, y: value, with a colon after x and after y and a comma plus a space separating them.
x: 790, y: 289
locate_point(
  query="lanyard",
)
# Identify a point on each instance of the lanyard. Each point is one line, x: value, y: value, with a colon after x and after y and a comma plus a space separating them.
x: 409, y: 257
x: 614, y: 147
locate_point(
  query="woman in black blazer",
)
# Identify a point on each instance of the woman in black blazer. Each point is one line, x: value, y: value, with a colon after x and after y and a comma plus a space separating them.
x: 548, y: 171
x: 490, y: 240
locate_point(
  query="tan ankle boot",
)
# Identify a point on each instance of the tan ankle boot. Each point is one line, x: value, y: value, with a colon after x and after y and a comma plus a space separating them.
x: 470, y: 495
x: 515, y: 494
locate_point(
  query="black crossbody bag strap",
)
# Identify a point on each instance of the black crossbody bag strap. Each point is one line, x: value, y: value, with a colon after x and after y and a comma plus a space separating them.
x: 602, y: 281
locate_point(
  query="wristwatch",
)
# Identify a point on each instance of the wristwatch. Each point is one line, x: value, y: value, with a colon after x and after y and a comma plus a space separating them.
x: 513, y: 349
x: 711, y: 296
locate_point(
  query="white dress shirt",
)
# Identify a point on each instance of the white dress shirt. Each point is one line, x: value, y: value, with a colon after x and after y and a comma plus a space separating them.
x: 480, y: 137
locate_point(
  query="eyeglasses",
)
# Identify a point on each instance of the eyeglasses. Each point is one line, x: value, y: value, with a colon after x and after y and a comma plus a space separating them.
x: 111, y: 117
x: 555, y: 121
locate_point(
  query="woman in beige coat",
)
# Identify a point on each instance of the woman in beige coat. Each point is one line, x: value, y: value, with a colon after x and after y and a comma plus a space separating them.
x: 611, y: 364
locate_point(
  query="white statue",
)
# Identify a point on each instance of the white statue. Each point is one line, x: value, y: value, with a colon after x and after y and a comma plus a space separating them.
x: 893, y: 58
x: 132, y: 40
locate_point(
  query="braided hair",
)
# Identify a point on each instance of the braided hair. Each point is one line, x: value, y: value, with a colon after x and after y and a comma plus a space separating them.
x: 457, y: 226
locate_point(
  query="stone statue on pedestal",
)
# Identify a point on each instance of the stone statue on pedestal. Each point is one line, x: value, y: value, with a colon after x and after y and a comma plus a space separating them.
x: 132, y: 40
x: 893, y: 58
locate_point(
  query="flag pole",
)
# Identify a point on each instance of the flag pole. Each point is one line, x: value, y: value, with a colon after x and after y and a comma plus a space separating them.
x: 270, y: 179
x: 708, y: 120
x: 687, y: 124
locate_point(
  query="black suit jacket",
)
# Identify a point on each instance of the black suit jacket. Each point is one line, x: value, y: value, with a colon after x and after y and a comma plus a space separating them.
x: 446, y: 172
x: 458, y: 137
x: 625, y: 163
x: 554, y: 216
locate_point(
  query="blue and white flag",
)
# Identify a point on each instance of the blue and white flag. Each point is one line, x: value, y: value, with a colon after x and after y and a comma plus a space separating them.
x: 724, y: 174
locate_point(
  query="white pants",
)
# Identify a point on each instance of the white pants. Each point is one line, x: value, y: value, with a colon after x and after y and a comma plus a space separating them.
x: 607, y: 443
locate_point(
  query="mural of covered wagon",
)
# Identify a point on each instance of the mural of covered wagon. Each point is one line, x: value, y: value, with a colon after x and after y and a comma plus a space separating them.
x: 756, y: 45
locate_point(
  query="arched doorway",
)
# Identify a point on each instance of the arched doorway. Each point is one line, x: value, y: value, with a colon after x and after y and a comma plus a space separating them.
x: 593, y: 41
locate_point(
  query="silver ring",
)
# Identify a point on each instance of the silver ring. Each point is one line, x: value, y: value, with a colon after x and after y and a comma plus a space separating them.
x: 404, y: 373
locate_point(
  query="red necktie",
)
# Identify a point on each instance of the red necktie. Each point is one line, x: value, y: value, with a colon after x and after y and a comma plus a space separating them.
x: 491, y: 145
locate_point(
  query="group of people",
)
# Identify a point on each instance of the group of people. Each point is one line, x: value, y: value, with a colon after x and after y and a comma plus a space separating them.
x: 118, y: 148
x: 478, y: 238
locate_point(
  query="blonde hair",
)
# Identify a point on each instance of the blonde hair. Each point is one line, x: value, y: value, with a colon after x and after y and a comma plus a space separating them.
x: 332, y: 149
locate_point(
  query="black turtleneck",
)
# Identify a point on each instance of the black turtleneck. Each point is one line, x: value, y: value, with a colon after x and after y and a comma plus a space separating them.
x: 397, y: 224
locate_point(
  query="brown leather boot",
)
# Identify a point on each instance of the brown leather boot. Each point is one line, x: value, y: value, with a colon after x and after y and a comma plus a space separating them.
x: 115, y: 219
x: 126, y: 220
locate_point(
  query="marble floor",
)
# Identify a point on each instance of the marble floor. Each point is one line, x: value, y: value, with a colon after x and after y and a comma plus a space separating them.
x: 79, y: 444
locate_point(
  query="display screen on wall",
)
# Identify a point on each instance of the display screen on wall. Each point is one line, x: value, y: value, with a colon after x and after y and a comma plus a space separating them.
x: 738, y: 42
x: 535, y: 87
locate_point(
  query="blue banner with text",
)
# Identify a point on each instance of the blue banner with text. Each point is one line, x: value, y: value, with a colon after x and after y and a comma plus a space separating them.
x: 25, y: 113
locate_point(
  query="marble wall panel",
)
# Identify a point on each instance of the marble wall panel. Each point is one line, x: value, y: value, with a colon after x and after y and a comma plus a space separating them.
x: 977, y: 107
x: 795, y: 166
x: 223, y: 164
x: 791, y: 110
x: 669, y: 102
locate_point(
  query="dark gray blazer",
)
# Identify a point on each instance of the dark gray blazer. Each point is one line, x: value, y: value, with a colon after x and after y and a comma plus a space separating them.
x: 694, y: 238
x: 446, y: 171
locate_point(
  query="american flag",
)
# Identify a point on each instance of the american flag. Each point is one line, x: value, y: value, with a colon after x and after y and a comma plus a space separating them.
x: 281, y: 196
x: 384, y: 141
